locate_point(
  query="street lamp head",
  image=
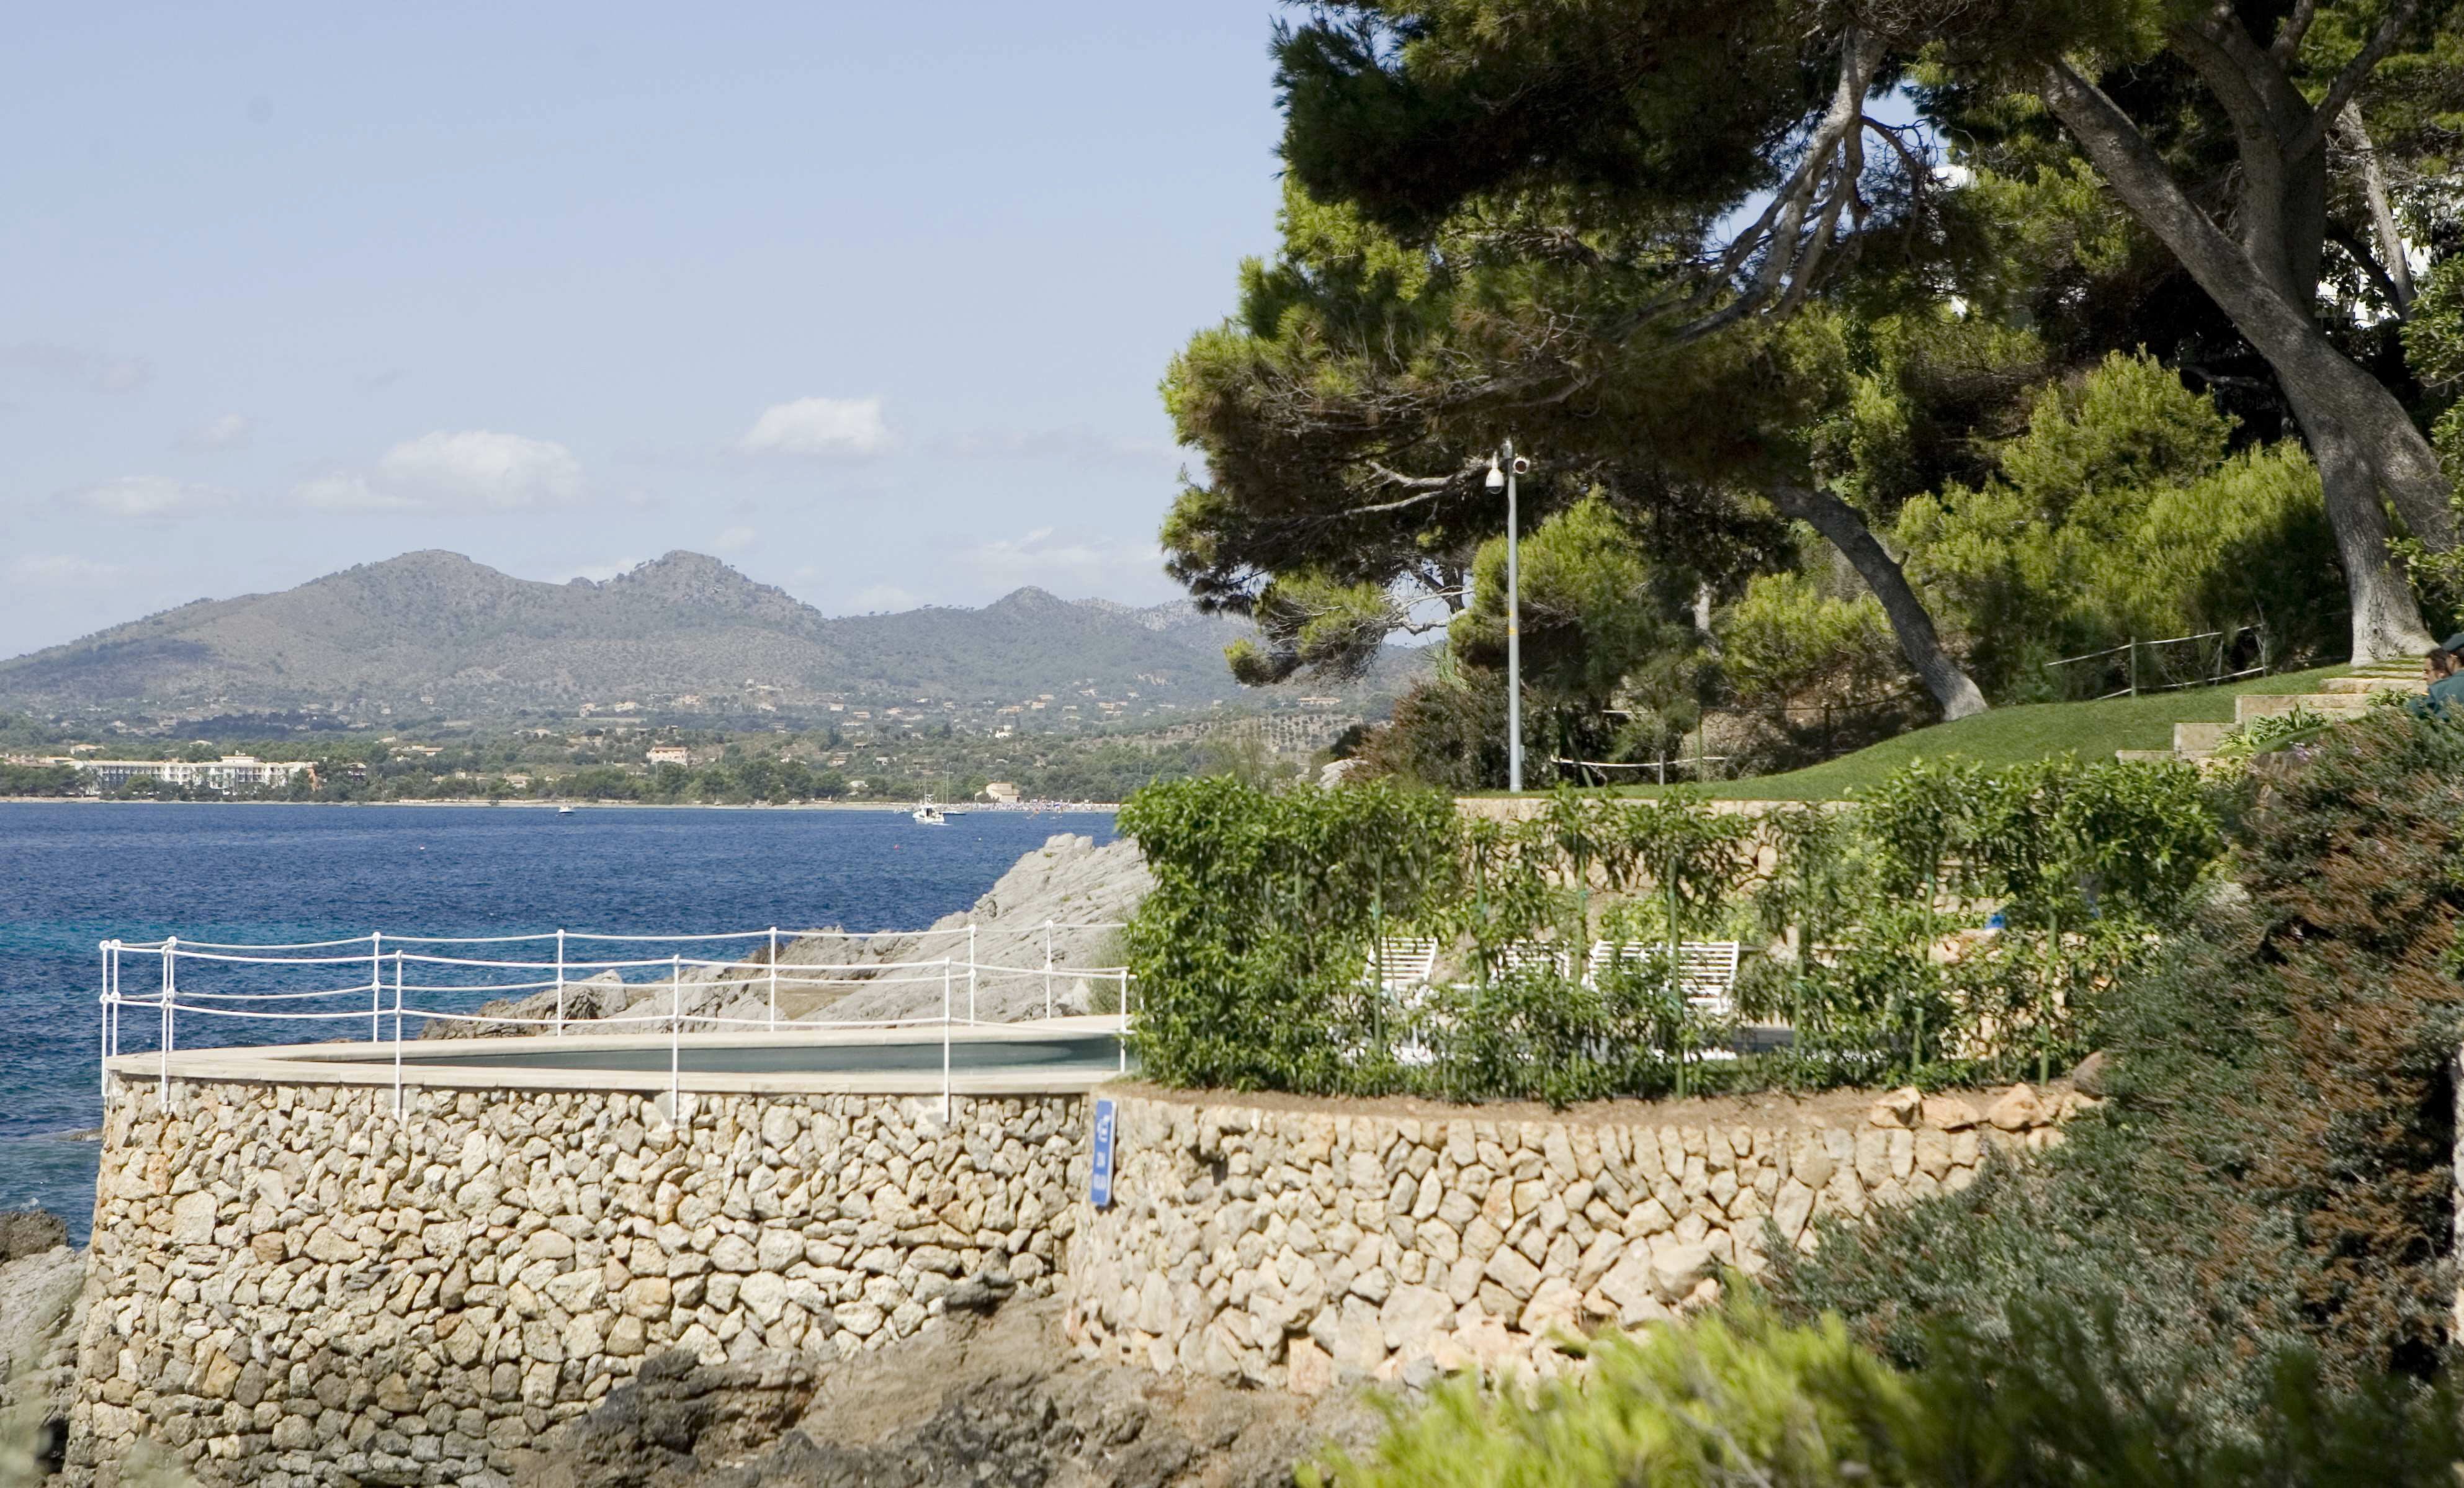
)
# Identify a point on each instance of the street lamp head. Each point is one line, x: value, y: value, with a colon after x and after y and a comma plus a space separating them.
x: 1496, y: 477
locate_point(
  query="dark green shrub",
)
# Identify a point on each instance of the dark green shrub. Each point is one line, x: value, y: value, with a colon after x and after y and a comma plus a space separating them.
x: 2052, y: 1401
x: 2275, y: 1168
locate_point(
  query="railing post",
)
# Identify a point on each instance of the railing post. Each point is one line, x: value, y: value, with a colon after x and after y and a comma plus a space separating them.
x: 774, y: 978
x: 1122, y: 1039
x: 971, y: 970
x: 560, y: 981
x: 376, y: 982
x: 170, y: 989
x: 945, y: 1037
x: 1047, y: 966
x: 2132, y: 646
x: 675, y: 1042
x: 397, y: 1035
x: 102, y: 1059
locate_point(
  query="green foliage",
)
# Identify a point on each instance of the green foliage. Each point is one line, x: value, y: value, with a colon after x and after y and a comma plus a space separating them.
x: 2245, y: 742
x: 39, y: 780
x: 2050, y: 1401
x: 1448, y: 731
x: 2120, y: 514
x: 1736, y: 1397
x: 1592, y: 613
x: 1790, y: 638
x: 1248, y: 950
x: 1255, y: 946
x: 2273, y: 1169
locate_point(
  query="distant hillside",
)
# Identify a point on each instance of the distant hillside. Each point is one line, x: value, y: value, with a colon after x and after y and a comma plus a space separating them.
x: 434, y: 635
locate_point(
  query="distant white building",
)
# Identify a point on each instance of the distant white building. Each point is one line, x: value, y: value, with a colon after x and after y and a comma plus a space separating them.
x: 1001, y: 791
x: 231, y: 773
x: 669, y: 755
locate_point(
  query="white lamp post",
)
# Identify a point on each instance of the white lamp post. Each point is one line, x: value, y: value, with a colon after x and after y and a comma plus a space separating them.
x: 1502, y: 467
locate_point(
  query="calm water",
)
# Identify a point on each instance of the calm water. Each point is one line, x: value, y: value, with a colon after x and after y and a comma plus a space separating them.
x: 74, y: 874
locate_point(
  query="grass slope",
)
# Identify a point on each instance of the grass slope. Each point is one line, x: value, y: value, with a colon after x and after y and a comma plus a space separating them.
x: 2012, y: 736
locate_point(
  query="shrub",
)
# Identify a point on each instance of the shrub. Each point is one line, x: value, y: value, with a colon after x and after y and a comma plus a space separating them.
x: 1252, y: 954
x: 2275, y: 1168
x: 1742, y: 1397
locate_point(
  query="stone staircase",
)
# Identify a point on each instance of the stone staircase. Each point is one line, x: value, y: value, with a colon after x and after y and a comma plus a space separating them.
x: 2337, y: 697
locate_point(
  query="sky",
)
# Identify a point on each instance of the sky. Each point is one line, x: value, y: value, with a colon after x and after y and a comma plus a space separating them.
x: 870, y: 301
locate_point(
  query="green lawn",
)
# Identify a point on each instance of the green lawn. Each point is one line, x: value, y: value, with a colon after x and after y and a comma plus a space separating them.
x: 2011, y: 735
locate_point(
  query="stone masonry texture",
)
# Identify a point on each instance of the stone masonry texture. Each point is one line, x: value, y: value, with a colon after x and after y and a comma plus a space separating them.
x: 1305, y: 1250
x: 291, y: 1286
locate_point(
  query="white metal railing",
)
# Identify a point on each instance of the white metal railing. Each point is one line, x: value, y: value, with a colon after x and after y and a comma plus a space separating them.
x: 263, y: 982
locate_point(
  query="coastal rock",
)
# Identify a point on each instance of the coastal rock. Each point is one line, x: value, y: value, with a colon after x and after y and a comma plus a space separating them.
x: 29, y: 1232
x: 585, y: 1000
x: 1068, y: 884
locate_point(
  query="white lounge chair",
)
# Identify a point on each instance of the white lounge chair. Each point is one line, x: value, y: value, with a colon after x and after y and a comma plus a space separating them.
x: 1706, y: 970
x: 1532, y: 955
x: 1400, y: 962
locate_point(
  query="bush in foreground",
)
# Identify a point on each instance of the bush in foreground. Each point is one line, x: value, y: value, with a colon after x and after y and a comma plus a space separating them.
x: 1744, y: 1397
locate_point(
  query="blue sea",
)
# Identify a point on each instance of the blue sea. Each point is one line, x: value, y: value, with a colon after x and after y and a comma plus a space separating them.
x: 73, y: 874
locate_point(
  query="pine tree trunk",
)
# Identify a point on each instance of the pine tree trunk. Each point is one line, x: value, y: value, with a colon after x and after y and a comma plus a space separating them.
x: 1844, y: 527
x: 2387, y: 622
x: 2324, y: 383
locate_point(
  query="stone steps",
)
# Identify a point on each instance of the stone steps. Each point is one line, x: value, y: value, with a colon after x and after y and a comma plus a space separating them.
x: 2337, y: 697
x: 2269, y: 705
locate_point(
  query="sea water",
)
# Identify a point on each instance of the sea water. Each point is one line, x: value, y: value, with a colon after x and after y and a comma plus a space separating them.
x: 73, y: 874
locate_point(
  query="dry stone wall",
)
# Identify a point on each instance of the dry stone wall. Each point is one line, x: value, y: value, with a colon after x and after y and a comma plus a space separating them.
x: 291, y: 1286
x: 1302, y: 1249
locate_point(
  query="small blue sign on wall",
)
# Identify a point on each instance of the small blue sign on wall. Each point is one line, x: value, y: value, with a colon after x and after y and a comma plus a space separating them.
x: 1099, y: 1172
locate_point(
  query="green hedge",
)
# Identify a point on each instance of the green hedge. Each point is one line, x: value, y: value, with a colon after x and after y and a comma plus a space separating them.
x: 1251, y: 952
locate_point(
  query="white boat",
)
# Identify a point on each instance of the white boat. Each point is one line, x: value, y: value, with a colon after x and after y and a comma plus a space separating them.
x: 927, y: 814
x: 564, y: 811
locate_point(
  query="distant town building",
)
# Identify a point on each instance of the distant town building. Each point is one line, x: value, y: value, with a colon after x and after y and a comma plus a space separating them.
x: 1002, y: 791
x: 231, y: 773
x: 669, y: 755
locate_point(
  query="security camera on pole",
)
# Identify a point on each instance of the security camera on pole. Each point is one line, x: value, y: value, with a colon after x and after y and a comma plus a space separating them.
x: 1502, y: 467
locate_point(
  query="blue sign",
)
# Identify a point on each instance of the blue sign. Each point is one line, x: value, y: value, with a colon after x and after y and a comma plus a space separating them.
x: 1099, y: 1172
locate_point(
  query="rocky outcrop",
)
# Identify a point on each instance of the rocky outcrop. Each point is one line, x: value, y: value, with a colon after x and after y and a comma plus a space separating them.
x: 999, y: 1401
x: 679, y: 1418
x: 41, y: 1290
x: 1070, y: 884
x: 581, y: 1001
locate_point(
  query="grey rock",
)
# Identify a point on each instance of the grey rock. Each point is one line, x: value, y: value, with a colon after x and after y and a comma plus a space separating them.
x: 29, y: 1232
x: 979, y: 1293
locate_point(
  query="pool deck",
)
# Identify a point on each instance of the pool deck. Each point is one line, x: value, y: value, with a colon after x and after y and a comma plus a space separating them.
x: 421, y: 1064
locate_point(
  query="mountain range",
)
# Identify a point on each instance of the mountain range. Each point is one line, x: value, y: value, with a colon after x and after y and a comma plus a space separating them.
x: 435, y: 635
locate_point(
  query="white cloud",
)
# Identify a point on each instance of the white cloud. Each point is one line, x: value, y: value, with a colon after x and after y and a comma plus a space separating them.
x: 59, y: 570
x: 1040, y: 559
x: 149, y: 498
x: 231, y: 431
x: 480, y: 468
x: 820, y: 425
x: 347, y: 493
x: 735, y: 540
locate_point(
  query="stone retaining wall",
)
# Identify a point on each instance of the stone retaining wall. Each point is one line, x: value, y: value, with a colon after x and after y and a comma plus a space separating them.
x: 1300, y: 1249
x: 293, y: 1287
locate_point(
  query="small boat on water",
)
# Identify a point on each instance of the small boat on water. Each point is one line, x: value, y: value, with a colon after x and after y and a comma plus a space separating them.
x: 564, y: 811
x: 927, y: 814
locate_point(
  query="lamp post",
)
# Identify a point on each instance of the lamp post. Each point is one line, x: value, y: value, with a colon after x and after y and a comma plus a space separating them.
x: 1502, y: 467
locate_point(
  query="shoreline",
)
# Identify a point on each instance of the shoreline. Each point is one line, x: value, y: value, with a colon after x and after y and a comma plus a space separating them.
x: 1090, y: 808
